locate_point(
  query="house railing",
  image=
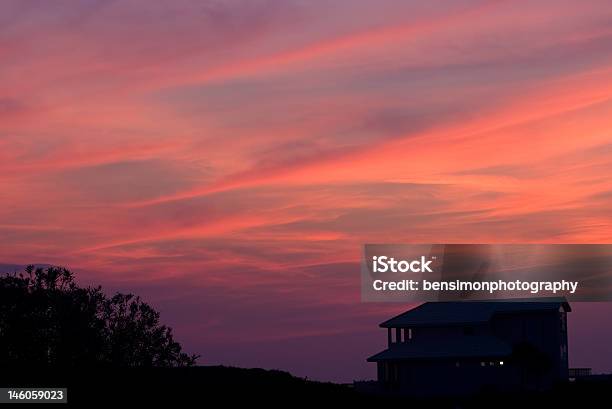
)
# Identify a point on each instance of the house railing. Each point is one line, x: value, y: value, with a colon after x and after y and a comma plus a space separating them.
x: 579, y: 372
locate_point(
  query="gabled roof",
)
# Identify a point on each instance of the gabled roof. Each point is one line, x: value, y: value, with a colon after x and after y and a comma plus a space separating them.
x: 470, y: 312
x: 481, y: 346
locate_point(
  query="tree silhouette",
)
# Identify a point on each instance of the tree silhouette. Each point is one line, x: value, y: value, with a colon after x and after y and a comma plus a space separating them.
x: 531, y: 361
x: 47, y: 320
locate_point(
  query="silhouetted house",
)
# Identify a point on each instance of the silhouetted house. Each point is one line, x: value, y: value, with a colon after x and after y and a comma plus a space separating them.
x: 454, y: 348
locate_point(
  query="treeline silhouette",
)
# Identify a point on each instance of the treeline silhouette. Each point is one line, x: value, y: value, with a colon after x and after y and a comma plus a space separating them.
x: 47, y: 320
x: 112, y: 349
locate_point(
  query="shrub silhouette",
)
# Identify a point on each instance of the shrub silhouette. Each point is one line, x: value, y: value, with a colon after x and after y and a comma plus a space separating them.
x: 47, y: 320
x: 531, y: 358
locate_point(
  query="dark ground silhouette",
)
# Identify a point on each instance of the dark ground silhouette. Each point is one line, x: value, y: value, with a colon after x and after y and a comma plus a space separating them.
x: 207, y: 385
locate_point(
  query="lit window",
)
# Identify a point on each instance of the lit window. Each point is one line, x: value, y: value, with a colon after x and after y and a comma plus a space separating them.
x: 501, y: 363
x: 482, y: 363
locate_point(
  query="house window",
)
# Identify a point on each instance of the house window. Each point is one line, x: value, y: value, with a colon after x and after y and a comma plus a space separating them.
x: 391, y: 372
x: 407, y: 334
x: 563, y: 315
x: 482, y: 363
x: 457, y: 364
x: 563, y: 351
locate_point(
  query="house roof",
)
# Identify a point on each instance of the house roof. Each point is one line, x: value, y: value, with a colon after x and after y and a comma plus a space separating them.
x: 470, y: 312
x: 482, y: 346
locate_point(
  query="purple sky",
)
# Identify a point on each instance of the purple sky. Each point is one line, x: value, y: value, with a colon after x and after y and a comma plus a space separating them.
x: 227, y: 159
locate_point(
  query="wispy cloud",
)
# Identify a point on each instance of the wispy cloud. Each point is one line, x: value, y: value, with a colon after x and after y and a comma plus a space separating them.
x: 244, y: 150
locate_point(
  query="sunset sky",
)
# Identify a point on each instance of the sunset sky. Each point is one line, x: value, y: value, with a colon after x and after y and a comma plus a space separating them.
x: 227, y: 159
